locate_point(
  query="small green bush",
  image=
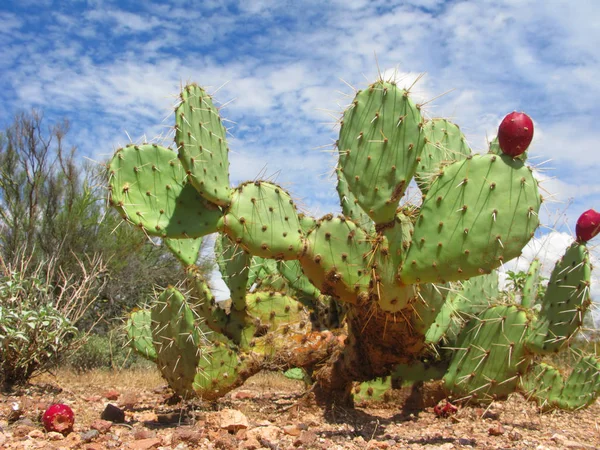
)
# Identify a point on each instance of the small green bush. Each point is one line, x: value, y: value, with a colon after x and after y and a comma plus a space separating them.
x: 39, y: 311
x: 105, y: 351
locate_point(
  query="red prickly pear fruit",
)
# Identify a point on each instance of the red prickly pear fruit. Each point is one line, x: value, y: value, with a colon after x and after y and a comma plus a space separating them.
x: 515, y: 133
x: 59, y: 418
x: 444, y: 411
x: 588, y: 225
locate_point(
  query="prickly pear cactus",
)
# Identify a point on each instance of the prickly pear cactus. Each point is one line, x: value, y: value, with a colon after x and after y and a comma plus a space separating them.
x: 363, y: 295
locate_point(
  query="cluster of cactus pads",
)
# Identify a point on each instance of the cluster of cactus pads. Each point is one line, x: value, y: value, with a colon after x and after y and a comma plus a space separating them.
x: 386, y: 288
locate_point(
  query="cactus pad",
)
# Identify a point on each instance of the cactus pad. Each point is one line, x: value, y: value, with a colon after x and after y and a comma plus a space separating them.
x: 148, y: 187
x: 336, y: 258
x: 263, y: 220
x: 444, y: 143
x: 478, y: 213
x: 379, y: 144
x: 139, y: 331
x: 200, y: 138
x: 185, y: 250
x: 491, y: 356
x: 566, y: 300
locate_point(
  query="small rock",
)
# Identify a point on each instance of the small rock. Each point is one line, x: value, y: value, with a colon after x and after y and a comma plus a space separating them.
x: 95, y: 446
x: 36, y: 434
x: 251, y: 444
x: 305, y: 439
x: 232, y: 420
x: 111, y: 394
x: 514, y: 436
x: 467, y: 441
x: 113, y: 413
x: 143, y: 433
x: 292, y: 430
x: 144, y: 444
x: 129, y: 399
x: 55, y: 436
x: 568, y: 443
x: 22, y: 430
x: 269, y: 433
x: 242, y: 395
x: 90, y: 435
x: 188, y: 435
x: 497, y: 430
x: 93, y: 398
x: 102, y: 426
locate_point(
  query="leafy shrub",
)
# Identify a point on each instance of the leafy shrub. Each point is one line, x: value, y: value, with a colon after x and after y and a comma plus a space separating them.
x: 39, y: 310
x: 105, y: 351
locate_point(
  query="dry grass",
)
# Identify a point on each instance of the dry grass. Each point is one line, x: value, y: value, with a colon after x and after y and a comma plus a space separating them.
x: 126, y: 379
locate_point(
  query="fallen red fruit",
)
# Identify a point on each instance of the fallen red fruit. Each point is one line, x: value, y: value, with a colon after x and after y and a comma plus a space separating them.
x: 588, y: 225
x: 515, y: 133
x: 59, y: 418
x: 444, y: 411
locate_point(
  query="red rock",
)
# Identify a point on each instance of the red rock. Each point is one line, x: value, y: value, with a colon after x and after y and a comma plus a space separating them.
x: 242, y: 395
x: 144, y: 444
x: 497, y: 430
x: 232, y: 420
x: 102, y: 426
x: 112, y: 394
x: 306, y: 439
x: 143, y: 433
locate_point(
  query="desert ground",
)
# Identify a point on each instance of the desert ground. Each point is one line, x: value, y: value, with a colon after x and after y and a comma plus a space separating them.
x: 134, y: 409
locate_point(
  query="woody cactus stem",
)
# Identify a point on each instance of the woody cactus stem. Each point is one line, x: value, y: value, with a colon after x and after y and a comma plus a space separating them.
x: 386, y: 270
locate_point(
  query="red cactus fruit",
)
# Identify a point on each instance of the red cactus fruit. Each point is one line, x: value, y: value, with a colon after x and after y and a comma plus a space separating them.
x: 444, y: 411
x: 588, y: 225
x: 59, y: 418
x: 515, y: 133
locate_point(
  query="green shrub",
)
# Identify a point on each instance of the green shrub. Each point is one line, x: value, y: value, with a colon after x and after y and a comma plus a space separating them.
x: 105, y: 351
x: 39, y: 311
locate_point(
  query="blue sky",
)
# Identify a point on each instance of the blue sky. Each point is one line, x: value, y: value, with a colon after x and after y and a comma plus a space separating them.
x: 114, y: 67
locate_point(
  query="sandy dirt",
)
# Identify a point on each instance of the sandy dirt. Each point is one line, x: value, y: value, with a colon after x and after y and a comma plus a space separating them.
x: 270, y: 412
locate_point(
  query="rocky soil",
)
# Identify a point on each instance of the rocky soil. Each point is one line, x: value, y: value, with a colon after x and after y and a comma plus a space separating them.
x: 135, y: 410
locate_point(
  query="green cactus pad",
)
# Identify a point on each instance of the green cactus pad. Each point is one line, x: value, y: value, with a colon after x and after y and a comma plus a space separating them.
x: 377, y: 390
x: 219, y: 369
x: 148, y: 187
x: 177, y: 339
x: 478, y: 213
x: 464, y: 301
x: 379, y: 145
x: 389, y: 247
x: 565, y: 303
x: 305, y: 291
x: 185, y: 250
x: 237, y: 325
x: 547, y: 386
x: 273, y: 309
x: 532, y: 283
x: 276, y: 317
x: 200, y: 138
x: 494, y: 148
x: 336, y: 258
x: 444, y: 143
x: 490, y: 355
x: 234, y: 265
x: 583, y: 385
x: 350, y: 206
x: 543, y: 384
x: 263, y: 220
x: 430, y: 299
x: 139, y: 331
